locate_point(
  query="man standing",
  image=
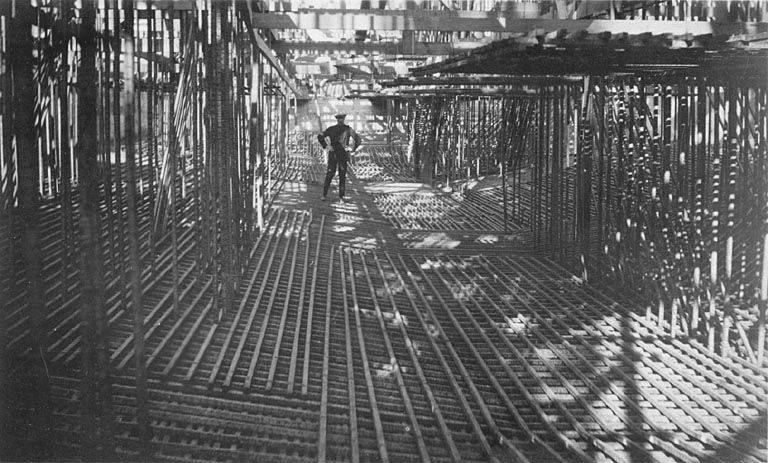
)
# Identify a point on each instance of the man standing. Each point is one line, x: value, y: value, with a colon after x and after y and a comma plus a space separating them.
x: 338, y: 155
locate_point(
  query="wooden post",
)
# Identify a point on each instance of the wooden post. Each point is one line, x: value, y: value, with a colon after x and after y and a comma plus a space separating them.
x: 152, y: 121
x: 7, y: 258
x: 21, y: 57
x: 28, y: 195
x: 763, y: 303
x: 228, y: 244
x: 255, y: 152
x: 197, y: 136
x: 714, y: 231
x: 390, y: 104
x: 730, y: 190
x: 119, y: 263
x: 95, y: 387
x: 504, y: 157
x: 584, y: 175
x: 142, y: 416
x: 203, y: 112
x: 64, y: 152
x: 104, y: 130
x: 173, y: 150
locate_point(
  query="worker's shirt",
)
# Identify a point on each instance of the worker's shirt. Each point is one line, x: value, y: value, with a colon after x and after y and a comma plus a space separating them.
x: 339, y: 135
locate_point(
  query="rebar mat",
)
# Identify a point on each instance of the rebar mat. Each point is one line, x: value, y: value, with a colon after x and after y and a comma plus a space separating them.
x: 349, y: 341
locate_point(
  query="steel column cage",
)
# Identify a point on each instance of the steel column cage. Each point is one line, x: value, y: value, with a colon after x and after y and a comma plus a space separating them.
x: 135, y: 136
x: 659, y: 184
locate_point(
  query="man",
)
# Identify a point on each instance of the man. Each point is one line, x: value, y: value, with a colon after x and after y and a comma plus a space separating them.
x: 338, y: 155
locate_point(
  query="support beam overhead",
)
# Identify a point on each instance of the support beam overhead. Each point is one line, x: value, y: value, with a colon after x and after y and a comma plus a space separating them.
x: 512, y: 22
x: 276, y: 63
x: 384, y: 48
x: 380, y: 20
x: 481, y: 79
x: 268, y: 53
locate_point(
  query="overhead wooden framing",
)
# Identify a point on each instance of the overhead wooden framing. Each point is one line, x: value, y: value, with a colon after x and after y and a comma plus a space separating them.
x: 178, y: 8
x: 480, y: 80
x: 473, y: 92
x: 510, y: 58
x: 264, y: 48
x: 384, y: 48
x: 164, y: 4
x: 508, y: 21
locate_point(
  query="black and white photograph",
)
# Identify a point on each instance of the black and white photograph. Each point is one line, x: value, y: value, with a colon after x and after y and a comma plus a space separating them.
x: 418, y: 231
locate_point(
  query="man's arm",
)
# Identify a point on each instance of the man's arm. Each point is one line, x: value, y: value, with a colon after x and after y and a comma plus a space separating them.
x: 356, y: 137
x: 321, y: 139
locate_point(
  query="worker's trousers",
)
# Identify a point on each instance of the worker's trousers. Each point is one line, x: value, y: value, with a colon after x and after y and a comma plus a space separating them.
x: 336, y: 160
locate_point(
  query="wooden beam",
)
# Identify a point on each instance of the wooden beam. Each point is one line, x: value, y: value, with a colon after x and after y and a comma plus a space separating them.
x: 759, y: 37
x: 384, y: 48
x: 334, y: 78
x: 601, y: 60
x: 265, y: 49
x: 480, y: 80
x: 163, y: 4
x: 381, y: 20
x: 482, y: 91
x: 498, y: 5
x: 512, y: 22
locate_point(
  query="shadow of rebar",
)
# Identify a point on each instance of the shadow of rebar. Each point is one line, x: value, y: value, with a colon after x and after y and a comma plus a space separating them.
x: 632, y: 391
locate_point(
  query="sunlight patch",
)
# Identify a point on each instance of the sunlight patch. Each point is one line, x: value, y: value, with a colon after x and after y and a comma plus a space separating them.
x: 342, y: 228
x: 428, y: 265
x: 436, y: 240
x: 398, y: 319
x: 416, y: 346
x: 346, y: 218
x: 487, y: 239
x: 508, y: 299
x: 361, y: 242
x: 395, y: 285
x: 517, y: 324
x: 386, y: 370
x: 462, y: 291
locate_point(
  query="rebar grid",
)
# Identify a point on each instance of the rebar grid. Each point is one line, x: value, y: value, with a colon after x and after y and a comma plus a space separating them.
x: 134, y: 138
x: 660, y: 186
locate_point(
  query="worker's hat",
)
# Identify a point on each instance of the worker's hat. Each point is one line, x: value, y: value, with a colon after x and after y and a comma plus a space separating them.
x: 340, y: 116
